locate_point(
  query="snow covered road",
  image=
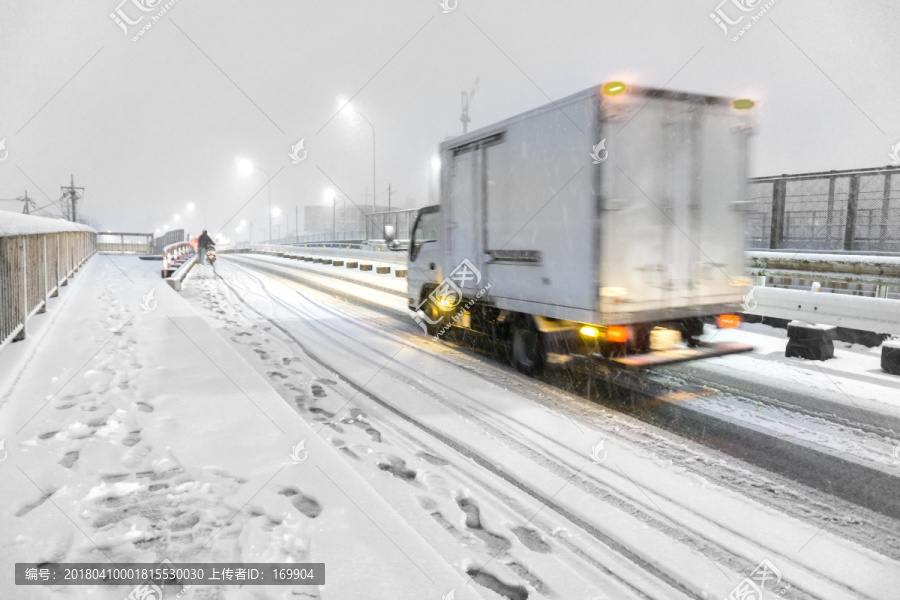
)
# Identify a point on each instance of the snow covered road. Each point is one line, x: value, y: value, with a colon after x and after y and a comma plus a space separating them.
x: 254, y: 418
x: 626, y: 507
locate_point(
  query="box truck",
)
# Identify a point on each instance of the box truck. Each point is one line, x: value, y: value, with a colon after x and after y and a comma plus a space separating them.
x: 606, y: 224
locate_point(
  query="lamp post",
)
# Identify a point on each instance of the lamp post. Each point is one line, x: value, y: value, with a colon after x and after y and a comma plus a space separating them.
x: 330, y: 195
x: 245, y: 167
x: 334, y: 217
x: 343, y: 105
x: 276, y: 212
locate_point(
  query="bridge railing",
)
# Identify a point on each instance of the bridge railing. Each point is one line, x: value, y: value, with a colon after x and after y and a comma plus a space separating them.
x: 852, y: 210
x: 37, y: 257
x: 125, y: 243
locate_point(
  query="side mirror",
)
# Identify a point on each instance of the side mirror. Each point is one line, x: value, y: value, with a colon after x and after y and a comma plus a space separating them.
x: 389, y: 234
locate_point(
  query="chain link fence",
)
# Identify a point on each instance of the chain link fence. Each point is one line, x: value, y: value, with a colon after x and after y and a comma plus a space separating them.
x: 856, y: 210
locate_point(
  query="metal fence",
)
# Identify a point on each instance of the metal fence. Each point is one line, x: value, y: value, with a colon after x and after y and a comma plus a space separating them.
x: 170, y: 237
x: 402, y: 220
x: 857, y: 210
x: 32, y: 269
x: 125, y: 243
x: 312, y: 238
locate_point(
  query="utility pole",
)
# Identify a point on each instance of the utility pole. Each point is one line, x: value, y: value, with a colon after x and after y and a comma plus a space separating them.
x: 389, y: 197
x: 71, y: 197
x: 297, y: 222
x: 29, y: 204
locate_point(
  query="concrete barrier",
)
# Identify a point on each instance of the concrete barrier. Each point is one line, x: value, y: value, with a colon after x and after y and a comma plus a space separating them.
x: 326, y: 261
x: 812, y: 342
x: 318, y: 260
x: 382, y: 270
x: 365, y: 267
x: 890, y: 357
x: 400, y: 273
x: 352, y: 264
x: 337, y: 263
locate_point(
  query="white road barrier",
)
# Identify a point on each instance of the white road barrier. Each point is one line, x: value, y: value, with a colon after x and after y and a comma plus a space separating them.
x: 880, y: 315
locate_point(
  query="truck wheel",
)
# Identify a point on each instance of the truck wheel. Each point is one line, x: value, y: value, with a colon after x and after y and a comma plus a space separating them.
x: 526, y: 349
x: 433, y: 313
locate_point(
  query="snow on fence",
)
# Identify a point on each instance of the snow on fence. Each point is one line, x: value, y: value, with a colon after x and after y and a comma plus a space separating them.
x: 857, y: 274
x: 37, y: 257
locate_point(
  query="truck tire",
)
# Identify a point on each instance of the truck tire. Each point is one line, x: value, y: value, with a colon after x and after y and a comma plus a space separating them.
x: 526, y: 351
x: 433, y: 313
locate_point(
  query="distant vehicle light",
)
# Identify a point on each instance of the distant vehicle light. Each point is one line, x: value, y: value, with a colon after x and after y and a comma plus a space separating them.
x: 729, y: 321
x: 590, y: 331
x: 445, y: 303
x: 743, y: 103
x: 617, y: 333
x: 613, y: 87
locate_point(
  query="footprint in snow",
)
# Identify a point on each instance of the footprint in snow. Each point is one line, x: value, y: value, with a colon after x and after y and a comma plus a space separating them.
x: 531, y: 539
x: 491, y: 582
x: 495, y: 542
x: 321, y: 411
x: 307, y: 505
x: 533, y: 580
x: 69, y: 459
x: 132, y: 438
x: 318, y: 391
x: 396, y: 466
x: 27, y: 508
x: 144, y: 407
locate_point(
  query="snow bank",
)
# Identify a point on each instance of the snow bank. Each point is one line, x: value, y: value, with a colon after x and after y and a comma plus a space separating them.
x: 18, y: 224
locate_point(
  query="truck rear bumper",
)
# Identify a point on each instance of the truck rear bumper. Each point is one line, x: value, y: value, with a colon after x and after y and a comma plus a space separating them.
x: 676, y: 355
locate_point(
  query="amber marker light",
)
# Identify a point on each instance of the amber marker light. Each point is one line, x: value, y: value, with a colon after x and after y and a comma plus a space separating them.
x: 617, y: 333
x: 613, y: 87
x: 729, y: 321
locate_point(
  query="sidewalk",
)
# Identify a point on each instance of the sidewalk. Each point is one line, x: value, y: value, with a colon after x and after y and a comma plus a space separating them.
x: 135, y: 433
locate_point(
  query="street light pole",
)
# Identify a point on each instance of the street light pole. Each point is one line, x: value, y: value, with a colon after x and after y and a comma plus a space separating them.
x: 334, y: 202
x: 374, y: 189
x: 269, y: 191
x: 245, y: 166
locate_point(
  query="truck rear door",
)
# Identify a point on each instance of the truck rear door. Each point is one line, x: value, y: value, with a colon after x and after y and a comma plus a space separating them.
x: 671, y: 237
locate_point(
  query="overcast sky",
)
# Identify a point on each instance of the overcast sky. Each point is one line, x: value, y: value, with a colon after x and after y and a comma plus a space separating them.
x: 150, y: 125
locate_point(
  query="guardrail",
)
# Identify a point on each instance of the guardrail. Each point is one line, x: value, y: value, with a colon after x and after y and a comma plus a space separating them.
x: 878, y: 315
x: 394, y: 258
x: 174, y: 256
x: 34, y: 264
